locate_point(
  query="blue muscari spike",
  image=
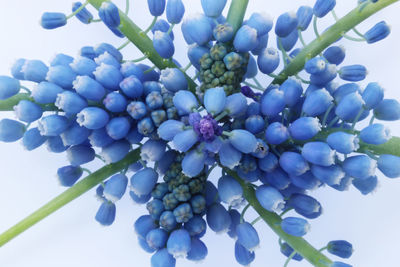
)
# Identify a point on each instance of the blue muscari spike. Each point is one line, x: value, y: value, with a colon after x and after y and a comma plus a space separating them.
x: 331, y: 175
x: 196, y: 226
x: 32, y: 139
x: 247, y: 236
x: 115, y: 187
x: 109, y: 14
x: 317, y: 102
x: 273, y: 103
x: 83, y: 66
x: 215, y: 100
x: 84, y: 15
x: 277, y: 178
x: 305, y: 205
x: 61, y: 75
x: 68, y: 175
x: 179, y: 243
x: 245, y: 39
x: 163, y: 44
x: 34, y: 70
x: 143, y: 225
x: 108, y: 59
x: 323, y: 7
x: 360, y: 166
x: 185, y: 140
x: 175, y: 10
x: 268, y: 163
x: 61, y: 59
x: 335, y: 54
x: 353, y: 73
x: 80, y: 154
x: 268, y: 60
x: 388, y: 110
x: 106, y: 213
x: 295, y: 226
x: 288, y: 250
x: 115, y: 151
x: 108, y: 76
x: 92, y: 118
x: 55, y: 144
x: 375, y: 134
x: 155, y: 207
x: 162, y: 258
x: 173, y: 80
x: 70, y: 102
x: 304, y: 128
x: 28, y: 111
x: 16, y: 68
x: 218, y: 218
x: 366, y: 186
x: 53, y: 125
x: 46, y: 93
x: 198, y: 250
x: 285, y: 24
x: 89, y: 88
x: 380, y: 31
x: 157, y: 238
x: 53, y: 20
x: 289, y: 41
x: 305, y: 181
x: 389, y: 165
x: 318, y: 153
x: 341, y: 248
x: 255, y: 124
x: 304, y: 15
x: 242, y: 255
x: 293, y: 163
x: 270, y: 198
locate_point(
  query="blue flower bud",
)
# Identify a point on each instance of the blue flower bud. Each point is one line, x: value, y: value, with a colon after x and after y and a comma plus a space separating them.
x: 366, y: 186
x: 83, y: 66
x: 156, y: 7
x: 168, y: 221
x: 68, y: 175
x: 75, y: 135
x: 380, y: 31
x: 262, y: 42
x: 34, y: 71
x: 316, y: 65
x: 289, y: 41
x: 137, y: 109
x: 273, y: 103
x: 117, y: 128
x: 214, y: 100
x: 179, y: 243
x: 143, y: 225
x: 218, y: 219
x: 276, y: 133
x: 162, y: 258
x: 353, y: 73
x: 70, y: 102
x: 52, y: 20
x: 198, y: 250
x: 183, y: 212
x: 8, y: 87
x: 340, y: 248
x: 109, y: 14
x: 288, y: 250
x: 163, y: 44
x: 387, y: 110
x: 339, y: 264
x: 318, y: 153
x: 175, y: 11
x: 277, y: 178
x: 372, y: 95
x: 157, y: 238
x: 270, y: 198
x: 242, y: 255
x: 233, y: 61
x: 88, y: 52
x: 143, y: 182
x: 46, y: 93
x: 61, y: 75
x: 61, y: 59
x: 196, y: 226
x: 154, y: 100
x: 152, y: 86
x: 304, y: 128
x: 268, y: 60
x: 236, y: 104
x: 252, y: 68
x: 108, y: 59
x: 293, y: 163
x: 331, y: 175
x: 260, y: 22
x: 105, y: 47
x: 155, y: 208
x: 235, y: 220
x: 115, y: 151
x: 195, y: 53
x: 89, y: 88
x: 198, y: 204
x: 131, y: 69
x: 255, y: 124
x: 247, y: 236
x: 245, y: 39
x: 193, y: 163
x: 323, y: 78
x: 92, y: 118
x: 268, y: 163
x: 185, y: 140
x: 80, y: 154
x: 84, y: 15
x: 145, y: 126
x: 162, y: 25
x: 243, y: 140
x: 295, y: 226
x: 389, y: 165
x: 55, y: 144
x: 28, y: 111
x: 185, y: 102
x: 108, y: 76
x: 360, y: 166
x: 285, y: 24
x: 230, y: 191
x: 53, y: 125
x: 134, y: 137
x: 349, y: 106
x: 304, y: 15
x: 317, y: 102
x: 153, y: 150
x: 173, y: 79
x: 16, y: 68
x: 197, y: 29
x: 292, y: 90
x: 115, y: 102
x: 223, y: 32
x: 305, y: 181
x: 32, y: 139
x: 375, y: 134
x: 169, y: 129
x: 106, y: 213
x: 115, y: 187
x: 229, y: 156
x: 343, y: 142
x: 305, y: 205
x: 323, y: 7
x: 335, y: 54
x: 344, y: 90
x: 213, y: 8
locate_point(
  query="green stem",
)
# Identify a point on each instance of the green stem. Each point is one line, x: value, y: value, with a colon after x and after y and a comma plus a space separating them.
x: 72, y: 193
x: 78, y: 10
x: 330, y: 36
x: 236, y: 13
x: 8, y: 104
x: 274, y: 221
x: 289, y: 258
x: 142, y: 42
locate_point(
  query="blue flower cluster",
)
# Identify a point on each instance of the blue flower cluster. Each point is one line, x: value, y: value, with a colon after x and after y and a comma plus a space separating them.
x: 284, y: 141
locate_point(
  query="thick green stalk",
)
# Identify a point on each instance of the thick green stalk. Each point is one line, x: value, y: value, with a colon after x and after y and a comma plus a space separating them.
x: 143, y: 42
x: 273, y: 220
x: 330, y: 36
x: 72, y: 193
x: 8, y: 104
x: 236, y: 13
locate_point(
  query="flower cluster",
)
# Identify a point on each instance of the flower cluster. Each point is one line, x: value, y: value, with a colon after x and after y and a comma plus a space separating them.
x: 290, y: 138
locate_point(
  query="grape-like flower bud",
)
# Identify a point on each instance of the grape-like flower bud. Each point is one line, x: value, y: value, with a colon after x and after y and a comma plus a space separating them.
x: 109, y: 14
x: 335, y: 54
x: 214, y: 100
x: 343, y: 142
x: 305, y: 205
x: 218, y: 218
x: 84, y: 15
x: 285, y: 24
x: 68, y: 175
x: 80, y: 154
x: 242, y: 255
x: 323, y: 7
x: 185, y: 102
x: 230, y: 191
x: 270, y: 198
x: 304, y: 128
x: 8, y: 87
x: 389, y: 165
x: 245, y: 39
x: 304, y: 15
x: 173, y: 79
x: 28, y: 111
x: 247, y: 236
x: 360, y: 166
x: 197, y: 29
x: 213, y: 8
x: 156, y: 7
x: 175, y: 11
x: 32, y: 139
x: 106, y: 213
x: 375, y: 134
x: 193, y: 163
x: 295, y: 226
x: 380, y: 31
x: 115, y: 151
x: 163, y: 44
x: 318, y: 153
x: 92, y: 118
x: 340, y: 248
x: 388, y: 110
x: 52, y: 20
x: 268, y: 60
x: 353, y: 73
x: 53, y: 125
x: 273, y: 103
x: 143, y: 182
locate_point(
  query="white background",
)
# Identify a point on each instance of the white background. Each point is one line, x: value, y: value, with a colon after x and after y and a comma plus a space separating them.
x: 71, y: 236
